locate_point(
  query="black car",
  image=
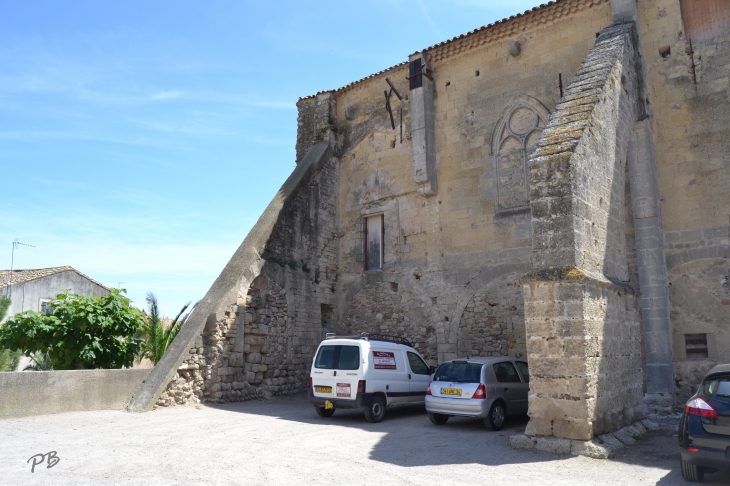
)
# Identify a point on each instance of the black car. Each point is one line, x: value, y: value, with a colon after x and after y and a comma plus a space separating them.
x: 704, y: 429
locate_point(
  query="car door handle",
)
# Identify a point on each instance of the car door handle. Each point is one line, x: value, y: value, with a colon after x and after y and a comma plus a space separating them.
x: 506, y: 389
x: 409, y: 376
x: 334, y: 373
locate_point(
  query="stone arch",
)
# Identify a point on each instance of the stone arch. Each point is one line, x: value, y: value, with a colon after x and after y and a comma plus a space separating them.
x: 266, y: 335
x: 393, y: 307
x: 514, y: 138
x: 493, y: 320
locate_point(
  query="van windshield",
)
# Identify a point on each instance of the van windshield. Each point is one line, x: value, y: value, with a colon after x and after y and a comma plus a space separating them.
x: 459, y: 372
x: 338, y: 357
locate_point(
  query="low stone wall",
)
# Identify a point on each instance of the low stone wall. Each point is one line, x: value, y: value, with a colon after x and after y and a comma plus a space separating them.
x: 27, y: 393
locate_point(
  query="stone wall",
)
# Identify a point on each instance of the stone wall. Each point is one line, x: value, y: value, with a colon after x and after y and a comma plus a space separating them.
x: 493, y: 322
x: 453, y: 251
x: 688, y: 89
x: 699, y: 292
x: 26, y: 393
x: 386, y: 308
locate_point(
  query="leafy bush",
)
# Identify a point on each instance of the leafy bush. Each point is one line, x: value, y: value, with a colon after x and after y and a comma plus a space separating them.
x: 81, y: 332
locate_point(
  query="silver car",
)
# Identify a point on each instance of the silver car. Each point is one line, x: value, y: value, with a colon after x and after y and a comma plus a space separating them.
x: 484, y: 388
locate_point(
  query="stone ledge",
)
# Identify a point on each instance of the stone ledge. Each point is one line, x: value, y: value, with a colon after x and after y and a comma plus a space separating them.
x: 601, y: 447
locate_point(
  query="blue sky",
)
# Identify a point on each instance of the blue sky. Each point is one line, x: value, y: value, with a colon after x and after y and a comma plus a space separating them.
x: 140, y: 141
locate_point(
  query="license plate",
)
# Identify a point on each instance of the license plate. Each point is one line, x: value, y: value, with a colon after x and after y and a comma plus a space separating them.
x: 323, y: 389
x: 451, y: 391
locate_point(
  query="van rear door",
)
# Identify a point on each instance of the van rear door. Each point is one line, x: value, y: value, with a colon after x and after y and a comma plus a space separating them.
x: 336, y: 371
x: 348, y: 372
x: 323, y: 371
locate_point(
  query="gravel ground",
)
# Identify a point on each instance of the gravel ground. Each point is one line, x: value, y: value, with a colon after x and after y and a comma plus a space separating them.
x: 283, y: 441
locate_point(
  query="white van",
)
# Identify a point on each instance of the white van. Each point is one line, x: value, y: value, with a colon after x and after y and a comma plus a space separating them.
x: 370, y: 371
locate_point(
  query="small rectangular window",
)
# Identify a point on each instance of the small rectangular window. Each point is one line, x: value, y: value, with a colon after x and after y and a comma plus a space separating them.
x: 695, y: 346
x: 327, y: 316
x: 374, y: 227
x: 44, y: 308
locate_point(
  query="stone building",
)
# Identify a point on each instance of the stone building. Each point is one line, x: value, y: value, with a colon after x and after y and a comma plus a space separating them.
x: 32, y: 289
x: 554, y: 186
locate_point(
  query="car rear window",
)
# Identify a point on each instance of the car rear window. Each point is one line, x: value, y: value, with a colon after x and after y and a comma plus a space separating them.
x: 338, y: 357
x: 459, y: 372
x: 716, y: 387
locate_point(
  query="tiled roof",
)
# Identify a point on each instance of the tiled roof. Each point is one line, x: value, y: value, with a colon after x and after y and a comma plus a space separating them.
x: 543, y: 14
x: 20, y: 276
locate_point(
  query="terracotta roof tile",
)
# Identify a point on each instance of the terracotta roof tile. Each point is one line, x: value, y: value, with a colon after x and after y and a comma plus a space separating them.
x: 20, y: 276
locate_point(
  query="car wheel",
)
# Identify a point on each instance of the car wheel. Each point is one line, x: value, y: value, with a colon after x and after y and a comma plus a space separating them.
x: 376, y: 410
x: 495, y: 419
x: 325, y: 412
x: 438, y: 418
x: 692, y: 472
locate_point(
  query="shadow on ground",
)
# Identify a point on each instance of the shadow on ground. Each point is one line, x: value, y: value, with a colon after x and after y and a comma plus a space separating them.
x: 409, y: 439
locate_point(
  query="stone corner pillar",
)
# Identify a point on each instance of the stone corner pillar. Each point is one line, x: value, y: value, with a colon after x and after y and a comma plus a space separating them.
x: 423, y: 125
x: 315, y: 121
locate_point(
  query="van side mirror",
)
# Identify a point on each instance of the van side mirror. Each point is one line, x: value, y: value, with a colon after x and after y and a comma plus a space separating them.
x: 431, y: 370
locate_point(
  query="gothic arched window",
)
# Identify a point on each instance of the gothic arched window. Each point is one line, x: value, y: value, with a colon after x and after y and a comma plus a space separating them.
x: 516, y: 137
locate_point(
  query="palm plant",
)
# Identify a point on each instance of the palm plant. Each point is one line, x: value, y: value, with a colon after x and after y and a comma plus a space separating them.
x: 40, y: 362
x: 158, y: 337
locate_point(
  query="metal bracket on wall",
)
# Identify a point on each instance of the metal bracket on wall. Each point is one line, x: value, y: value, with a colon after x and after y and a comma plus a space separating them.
x: 692, y: 58
x: 560, y: 84
x: 388, y: 94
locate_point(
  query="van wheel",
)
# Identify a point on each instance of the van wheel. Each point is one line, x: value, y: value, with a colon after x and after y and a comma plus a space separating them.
x: 495, y: 419
x: 325, y: 412
x: 376, y: 411
x: 692, y: 472
x: 438, y: 418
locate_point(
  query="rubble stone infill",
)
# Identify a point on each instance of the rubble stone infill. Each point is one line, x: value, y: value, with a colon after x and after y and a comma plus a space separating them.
x: 601, y: 447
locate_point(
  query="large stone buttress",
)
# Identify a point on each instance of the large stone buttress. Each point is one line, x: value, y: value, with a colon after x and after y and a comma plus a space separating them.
x: 581, y: 310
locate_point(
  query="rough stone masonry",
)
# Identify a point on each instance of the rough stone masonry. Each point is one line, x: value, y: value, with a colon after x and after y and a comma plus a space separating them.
x: 558, y: 189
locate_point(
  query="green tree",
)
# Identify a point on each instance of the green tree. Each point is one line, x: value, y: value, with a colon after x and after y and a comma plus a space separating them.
x: 9, y: 358
x: 81, y: 331
x: 157, y: 337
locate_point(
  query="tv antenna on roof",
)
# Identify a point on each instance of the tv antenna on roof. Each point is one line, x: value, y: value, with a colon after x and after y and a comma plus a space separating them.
x: 16, y: 244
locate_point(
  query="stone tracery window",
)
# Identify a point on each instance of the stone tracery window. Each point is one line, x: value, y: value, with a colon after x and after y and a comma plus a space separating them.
x: 516, y: 138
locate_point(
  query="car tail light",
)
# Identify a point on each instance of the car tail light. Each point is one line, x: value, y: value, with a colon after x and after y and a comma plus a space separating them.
x: 693, y: 449
x: 361, y: 386
x: 700, y: 408
x: 310, y: 383
x: 428, y: 390
x: 480, y: 392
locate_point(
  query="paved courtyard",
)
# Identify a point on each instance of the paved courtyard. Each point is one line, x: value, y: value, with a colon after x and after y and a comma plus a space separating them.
x: 283, y: 441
